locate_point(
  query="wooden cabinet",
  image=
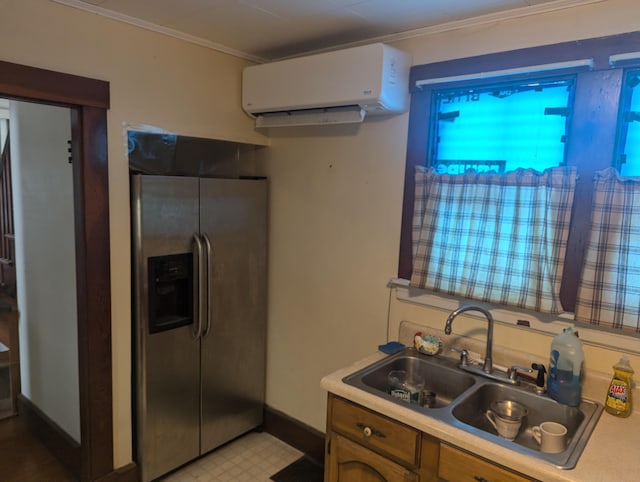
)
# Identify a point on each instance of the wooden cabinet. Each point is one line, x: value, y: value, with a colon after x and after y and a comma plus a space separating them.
x: 377, y: 432
x: 352, y: 462
x: 365, y: 446
x: 456, y: 465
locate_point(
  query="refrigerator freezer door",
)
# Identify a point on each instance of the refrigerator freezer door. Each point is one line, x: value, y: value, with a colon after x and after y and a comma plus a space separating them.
x: 165, y: 217
x: 234, y: 217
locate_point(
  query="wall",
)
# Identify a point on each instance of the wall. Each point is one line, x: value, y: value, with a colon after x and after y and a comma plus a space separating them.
x: 45, y: 261
x: 154, y: 80
x: 336, y: 199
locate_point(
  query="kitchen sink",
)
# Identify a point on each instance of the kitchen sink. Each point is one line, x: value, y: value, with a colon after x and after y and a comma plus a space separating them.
x: 462, y: 399
x: 442, y: 379
x: 579, y: 421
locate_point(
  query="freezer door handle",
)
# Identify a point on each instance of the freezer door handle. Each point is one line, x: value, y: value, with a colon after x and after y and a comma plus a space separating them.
x: 209, y: 251
x: 199, y: 299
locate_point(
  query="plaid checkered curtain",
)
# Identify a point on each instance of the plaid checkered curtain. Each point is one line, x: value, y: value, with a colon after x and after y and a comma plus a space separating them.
x: 609, y: 292
x: 499, y: 238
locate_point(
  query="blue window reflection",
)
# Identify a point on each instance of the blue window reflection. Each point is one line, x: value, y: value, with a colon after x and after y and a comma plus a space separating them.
x: 501, y: 127
x: 628, y: 156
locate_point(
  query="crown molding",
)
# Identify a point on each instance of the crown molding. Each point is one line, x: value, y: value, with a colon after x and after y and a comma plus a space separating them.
x: 420, y: 32
x: 137, y: 22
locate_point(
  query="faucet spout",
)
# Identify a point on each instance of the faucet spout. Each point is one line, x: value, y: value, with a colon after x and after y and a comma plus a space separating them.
x: 488, y: 363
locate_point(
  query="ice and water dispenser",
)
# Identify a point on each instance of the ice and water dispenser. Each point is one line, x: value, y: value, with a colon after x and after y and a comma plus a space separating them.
x: 170, y: 291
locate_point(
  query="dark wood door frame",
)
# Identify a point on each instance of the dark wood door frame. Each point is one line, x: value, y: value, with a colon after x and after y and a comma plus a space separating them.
x: 88, y: 100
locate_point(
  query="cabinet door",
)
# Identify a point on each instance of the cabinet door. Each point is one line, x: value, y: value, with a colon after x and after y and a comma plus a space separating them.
x: 375, y: 431
x: 458, y: 466
x: 351, y: 462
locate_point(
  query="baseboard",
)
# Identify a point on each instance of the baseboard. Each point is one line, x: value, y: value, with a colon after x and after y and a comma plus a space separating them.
x: 295, y: 433
x: 128, y: 473
x: 59, y: 443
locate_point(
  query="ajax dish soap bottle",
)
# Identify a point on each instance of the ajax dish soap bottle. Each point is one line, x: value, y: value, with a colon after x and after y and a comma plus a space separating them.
x: 618, y: 400
x: 565, y: 368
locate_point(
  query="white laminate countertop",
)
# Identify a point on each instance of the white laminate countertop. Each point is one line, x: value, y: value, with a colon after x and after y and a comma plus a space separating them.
x: 609, y: 456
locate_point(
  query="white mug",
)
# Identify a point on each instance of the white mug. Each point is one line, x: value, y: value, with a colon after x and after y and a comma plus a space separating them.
x: 551, y: 436
x: 505, y: 427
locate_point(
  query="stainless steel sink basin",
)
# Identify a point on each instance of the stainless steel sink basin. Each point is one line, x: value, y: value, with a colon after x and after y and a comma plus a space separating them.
x: 463, y: 398
x: 579, y: 421
x: 442, y: 378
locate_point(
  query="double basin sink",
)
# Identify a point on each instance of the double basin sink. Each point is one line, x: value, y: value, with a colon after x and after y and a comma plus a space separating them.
x: 461, y: 399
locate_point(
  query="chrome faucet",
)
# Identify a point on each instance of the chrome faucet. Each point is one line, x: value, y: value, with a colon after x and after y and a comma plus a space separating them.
x: 488, y: 363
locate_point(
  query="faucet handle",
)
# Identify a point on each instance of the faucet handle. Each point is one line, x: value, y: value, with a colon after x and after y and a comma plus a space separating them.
x: 540, y: 378
x: 513, y: 371
x: 464, y: 356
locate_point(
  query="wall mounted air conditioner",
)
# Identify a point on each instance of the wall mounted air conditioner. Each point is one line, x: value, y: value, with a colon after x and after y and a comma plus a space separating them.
x: 328, y: 88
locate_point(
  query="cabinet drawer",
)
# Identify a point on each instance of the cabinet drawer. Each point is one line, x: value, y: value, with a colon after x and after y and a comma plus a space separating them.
x: 459, y: 466
x: 376, y: 431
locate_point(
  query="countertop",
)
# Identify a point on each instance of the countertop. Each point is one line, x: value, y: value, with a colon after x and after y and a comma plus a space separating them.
x: 610, y: 454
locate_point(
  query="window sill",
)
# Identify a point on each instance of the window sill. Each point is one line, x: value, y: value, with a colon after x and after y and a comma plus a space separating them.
x: 521, y: 319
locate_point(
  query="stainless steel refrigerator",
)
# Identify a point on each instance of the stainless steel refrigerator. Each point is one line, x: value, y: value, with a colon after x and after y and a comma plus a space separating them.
x: 199, y: 278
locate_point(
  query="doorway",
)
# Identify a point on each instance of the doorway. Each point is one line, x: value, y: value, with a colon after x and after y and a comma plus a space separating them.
x: 9, y: 361
x: 37, y: 211
x: 88, y: 100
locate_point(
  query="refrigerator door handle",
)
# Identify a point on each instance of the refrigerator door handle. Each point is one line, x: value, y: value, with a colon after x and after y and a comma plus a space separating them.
x: 207, y: 326
x: 199, y: 300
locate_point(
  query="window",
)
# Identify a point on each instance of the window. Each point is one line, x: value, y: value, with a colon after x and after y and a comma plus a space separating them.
x: 500, y: 127
x: 628, y: 155
x: 584, y: 124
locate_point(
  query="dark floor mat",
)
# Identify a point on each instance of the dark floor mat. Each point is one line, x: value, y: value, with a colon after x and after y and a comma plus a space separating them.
x: 302, y: 470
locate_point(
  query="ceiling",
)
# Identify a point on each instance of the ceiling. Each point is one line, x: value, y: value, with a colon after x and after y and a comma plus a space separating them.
x: 264, y: 30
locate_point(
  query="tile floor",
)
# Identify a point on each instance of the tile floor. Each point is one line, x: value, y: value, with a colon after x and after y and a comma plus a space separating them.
x: 255, y: 457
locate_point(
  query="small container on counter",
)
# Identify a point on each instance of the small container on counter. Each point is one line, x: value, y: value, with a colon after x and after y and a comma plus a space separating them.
x: 618, y: 401
x: 564, y: 382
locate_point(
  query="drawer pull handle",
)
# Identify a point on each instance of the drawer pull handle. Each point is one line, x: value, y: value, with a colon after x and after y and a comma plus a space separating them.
x: 368, y: 431
x: 480, y: 479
